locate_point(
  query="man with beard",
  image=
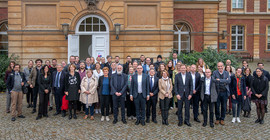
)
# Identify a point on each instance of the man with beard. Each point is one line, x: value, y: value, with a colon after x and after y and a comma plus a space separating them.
x: 82, y: 72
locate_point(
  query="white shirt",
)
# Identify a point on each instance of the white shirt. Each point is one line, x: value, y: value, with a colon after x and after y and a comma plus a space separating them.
x: 113, y: 72
x: 96, y: 74
x: 207, y: 86
x: 184, y: 78
x: 193, y: 80
x: 139, y: 83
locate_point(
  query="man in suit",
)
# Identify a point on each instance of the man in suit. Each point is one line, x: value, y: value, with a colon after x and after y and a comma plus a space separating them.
x: 142, y: 60
x: 196, y: 84
x: 222, y: 80
x: 175, y: 60
x: 113, y: 69
x: 109, y: 61
x: 146, y: 67
x: 183, y: 88
x: 117, y: 60
x: 72, y: 60
x: 140, y: 93
x: 58, y: 82
x: 125, y: 66
x: 208, y: 97
x: 152, y: 102
x: 118, y: 91
x: 89, y: 63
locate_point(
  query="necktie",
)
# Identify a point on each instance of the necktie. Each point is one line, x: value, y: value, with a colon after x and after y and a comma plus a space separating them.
x: 174, y: 62
x: 151, y: 83
x: 57, y: 79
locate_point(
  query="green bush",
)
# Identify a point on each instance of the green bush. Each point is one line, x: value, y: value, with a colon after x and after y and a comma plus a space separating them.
x: 210, y: 56
x: 4, y: 62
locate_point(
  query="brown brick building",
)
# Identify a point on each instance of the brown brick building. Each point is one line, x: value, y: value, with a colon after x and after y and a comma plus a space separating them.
x: 148, y: 27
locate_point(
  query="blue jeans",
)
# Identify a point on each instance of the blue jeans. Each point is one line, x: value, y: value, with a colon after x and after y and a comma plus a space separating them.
x: 238, y: 109
x: 221, y: 100
x: 92, y: 107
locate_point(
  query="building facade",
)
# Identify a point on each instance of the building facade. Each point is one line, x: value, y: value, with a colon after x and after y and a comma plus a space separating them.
x: 149, y: 27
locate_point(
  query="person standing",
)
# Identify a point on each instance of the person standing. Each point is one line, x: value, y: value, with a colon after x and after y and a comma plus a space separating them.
x: 126, y: 65
x: 238, y: 93
x: 15, y: 81
x: 7, y: 73
x: 82, y: 72
x: 229, y: 63
x: 104, y: 93
x: 175, y: 60
x: 153, y: 92
x: 165, y: 94
x: 249, y: 80
x: 131, y: 112
x: 113, y: 69
x: 142, y: 60
x: 201, y: 63
x: 33, y: 81
x: 29, y: 95
x: 260, y: 87
x: 146, y: 66
x: 97, y: 73
x: 196, y: 81
x: 183, y: 88
x: 118, y: 91
x: 222, y: 80
x: 117, y: 60
x: 209, y: 97
x: 159, y: 61
x: 109, y: 61
x: 52, y: 69
x: 44, y: 92
x: 140, y: 93
x: 58, y: 86
x: 89, y: 94
x: 72, y: 89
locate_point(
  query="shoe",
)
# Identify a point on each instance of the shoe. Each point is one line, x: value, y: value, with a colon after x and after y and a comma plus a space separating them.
x: 143, y: 123
x: 129, y: 118
x: 85, y: 117
x: 21, y: 116
x: 258, y: 121
x: 64, y: 114
x: 212, y: 125
x: 102, y: 118
x: 222, y: 122
x: 262, y: 122
x: 230, y: 112
x: 46, y: 116
x: 96, y: 111
x: 163, y: 121
x: 197, y: 120
x: 8, y: 111
x: 147, y: 120
x: 204, y: 124
x: 124, y: 121
x: 92, y: 118
x: 233, y: 120
x: 154, y: 120
x: 70, y: 117
x: 188, y: 124
x: 248, y: 115
x: 28, y: 106
x: 115, y: 121
x: 166, y: 122
x: 176, y: 113
x: 56, y: 113
x: 245, y: 114
x: 34, y: 111
x: 180, y: 123
x: 171, y: 108
x: 238, y: 120
x: 217, y: 122
x: 51, y: 108
x: 107, y: 118
x: 134, y: 118
x: 99, y: 111
x: 137, y: 122
x: 38, y: 117
x: 75, y: 116
x: 13, y: 119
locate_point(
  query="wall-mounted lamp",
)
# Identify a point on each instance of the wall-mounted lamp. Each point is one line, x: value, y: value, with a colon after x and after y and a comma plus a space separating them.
x: 117, y: 30
x: 65, y: 28
x: 224, y: 34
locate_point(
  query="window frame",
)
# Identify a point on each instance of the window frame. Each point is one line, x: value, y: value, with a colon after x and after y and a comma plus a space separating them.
x: 5, y: 23
x: 179, y: 34
x: 267, y: 35
x: 237, y: 4
x: 236, y: 38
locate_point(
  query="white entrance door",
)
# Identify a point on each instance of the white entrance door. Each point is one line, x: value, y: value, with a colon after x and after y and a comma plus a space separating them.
x: 100, y: 46
x: 73, y: 45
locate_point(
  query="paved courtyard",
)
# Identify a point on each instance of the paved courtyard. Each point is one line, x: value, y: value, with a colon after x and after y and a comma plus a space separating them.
x: 62, y: 128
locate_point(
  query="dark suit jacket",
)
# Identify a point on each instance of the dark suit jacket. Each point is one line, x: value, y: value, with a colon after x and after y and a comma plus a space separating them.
x: 134, y: 85
x: 62, y: 80
x: 100, y: 85
x: 107, y: 65
x: 197, y: 82
x: 179, y: 87
x: 155, y: 88
x: 113, y: 83
x: 213, y: 91
x: 125, y: 68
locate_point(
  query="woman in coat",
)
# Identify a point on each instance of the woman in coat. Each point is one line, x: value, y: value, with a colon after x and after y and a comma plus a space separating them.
x: 89, y: 94
x: 44, y: 91
x: 27, y: 71
x: 249, y: 78
x: 72, y: 89
x: 260, y: 87
x: 164, y: 95
x: 238, y: 93
x: 104, y: 93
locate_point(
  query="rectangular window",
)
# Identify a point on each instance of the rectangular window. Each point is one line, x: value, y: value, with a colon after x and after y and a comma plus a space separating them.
x: 238, y: 4
x: 268, y: 38
x: 238, y: 37
x: 268, y: 2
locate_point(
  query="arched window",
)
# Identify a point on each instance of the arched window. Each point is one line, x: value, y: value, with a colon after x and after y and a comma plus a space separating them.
x: 92, y: 24
x: 3, y: 38
x: 181, y: 42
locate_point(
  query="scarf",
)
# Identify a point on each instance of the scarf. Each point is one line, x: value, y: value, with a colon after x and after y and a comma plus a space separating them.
x: 88, y: 82
x: 167, y: 82
x: 239, y: 82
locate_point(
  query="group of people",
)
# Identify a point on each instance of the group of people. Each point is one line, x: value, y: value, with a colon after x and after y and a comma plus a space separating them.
x: 137, y: 87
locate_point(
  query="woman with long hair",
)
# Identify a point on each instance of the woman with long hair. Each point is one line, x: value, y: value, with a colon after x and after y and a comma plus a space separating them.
x: 249, y: 78
x: 201, y: 63
x: 8, y: 72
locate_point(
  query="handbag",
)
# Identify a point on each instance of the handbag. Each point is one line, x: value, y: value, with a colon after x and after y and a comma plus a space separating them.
x: 246, y: 105
x: 64, y: 103
x: 24, y: 89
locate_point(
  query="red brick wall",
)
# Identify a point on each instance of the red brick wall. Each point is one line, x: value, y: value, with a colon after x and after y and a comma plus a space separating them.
x: 263, y: 27
x: 249, y: 29
x: 3, y: 14
x: 229, y: 4
x: 195, y: 18
x: 250, y: 5
x: 263, y: 5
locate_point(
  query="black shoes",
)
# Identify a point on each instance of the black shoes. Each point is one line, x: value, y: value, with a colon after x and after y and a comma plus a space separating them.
x: 204, y: 124
x: 147, y: 120
x: 163, y: 121
x: 56, y: 113
x: 197, y: 120
x: 143, y: 123
x: 38, y: 117
x: 180, y: 123
x: 28, y: 106
x: 70, y: 116
x: 115, y: 121
x: 212, y: 125
x: 154, y: 120
x: 13, y: 119
x: 258, y: 121
x: 34, y: 111
x: 51, y: 108
x: 124, y: 121
x: 46, y: 116
x: 137, y: 122
x: 262, y: 122
x: 75, y: 116
x: 188, y: 124
x: 21, y: 116
x: 166, y: 122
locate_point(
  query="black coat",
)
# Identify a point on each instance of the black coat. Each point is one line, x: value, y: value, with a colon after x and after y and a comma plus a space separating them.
x: 107, y: 65
x: 62, y: 80
x: 155, y: 88
x: 179, y: 87
x: 265, y: 73
x: 145, y: 85
x: 72, y: 91
x: 10, y: 80
x: 44, y: 83
x: 233, y: 88
x: 114, y: 82
x: 100, y: 85
x: 260, y: 85
x: 197, y: 82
